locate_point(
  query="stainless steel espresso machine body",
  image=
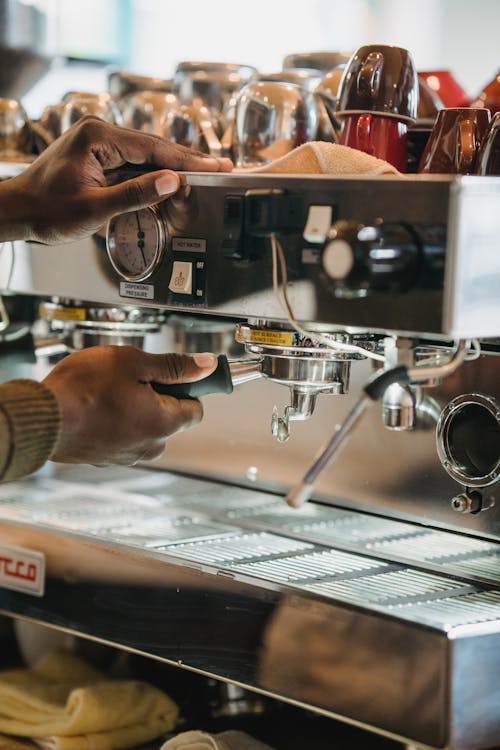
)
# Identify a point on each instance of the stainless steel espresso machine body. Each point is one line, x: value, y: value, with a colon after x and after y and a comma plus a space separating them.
x: 378, y: 601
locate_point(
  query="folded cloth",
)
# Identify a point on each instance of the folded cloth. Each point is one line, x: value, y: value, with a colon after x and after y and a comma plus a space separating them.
x: 230, y: 740
x: 63, y: 703
x: 321, y: 157
x: 9, y: 743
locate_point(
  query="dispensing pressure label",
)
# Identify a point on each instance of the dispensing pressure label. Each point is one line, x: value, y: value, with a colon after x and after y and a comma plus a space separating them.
x: 138, y: 291
x: 22, y: 570
x: 275, y: 338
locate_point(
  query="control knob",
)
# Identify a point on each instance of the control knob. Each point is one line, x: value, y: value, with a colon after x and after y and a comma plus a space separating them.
x: 359, y: 259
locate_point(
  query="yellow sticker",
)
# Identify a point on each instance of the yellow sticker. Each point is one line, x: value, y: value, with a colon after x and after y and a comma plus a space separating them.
x: 275, y: 338
x: 64, y: 313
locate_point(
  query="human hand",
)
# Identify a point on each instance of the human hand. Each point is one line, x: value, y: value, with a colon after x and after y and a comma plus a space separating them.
x: 110, y: 412
x: 63, y: 195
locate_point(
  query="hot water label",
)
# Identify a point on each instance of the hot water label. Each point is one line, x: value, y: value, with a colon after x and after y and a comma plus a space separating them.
x: 22, y: 570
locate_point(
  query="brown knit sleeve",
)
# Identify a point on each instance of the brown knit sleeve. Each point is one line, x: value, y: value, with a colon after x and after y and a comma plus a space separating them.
x: 30, y: 422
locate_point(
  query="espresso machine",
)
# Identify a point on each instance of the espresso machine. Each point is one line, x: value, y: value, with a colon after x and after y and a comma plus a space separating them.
x: 329, y: 535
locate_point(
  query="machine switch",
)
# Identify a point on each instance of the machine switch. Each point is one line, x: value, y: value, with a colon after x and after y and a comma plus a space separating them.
x: 181, y: 281
x: 319, y: 221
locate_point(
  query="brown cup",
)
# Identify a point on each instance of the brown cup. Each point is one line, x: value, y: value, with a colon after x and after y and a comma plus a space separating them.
x: 488, y: 160
x: 381, y: 79
x: 455, y: 140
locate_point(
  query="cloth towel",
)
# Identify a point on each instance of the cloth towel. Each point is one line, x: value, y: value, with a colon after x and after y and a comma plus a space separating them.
x: 229, y: 740
x: 321, y: 157
x: 8, y: 743
x: 63, y: 703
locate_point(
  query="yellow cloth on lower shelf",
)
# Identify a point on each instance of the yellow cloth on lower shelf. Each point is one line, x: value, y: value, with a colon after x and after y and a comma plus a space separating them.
x: 65, y: 704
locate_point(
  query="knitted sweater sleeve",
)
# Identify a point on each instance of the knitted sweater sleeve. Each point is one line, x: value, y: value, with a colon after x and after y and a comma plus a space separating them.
x: 30, y: 422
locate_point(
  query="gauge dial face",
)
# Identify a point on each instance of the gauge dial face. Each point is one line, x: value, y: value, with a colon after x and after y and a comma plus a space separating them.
x: 135, y: 242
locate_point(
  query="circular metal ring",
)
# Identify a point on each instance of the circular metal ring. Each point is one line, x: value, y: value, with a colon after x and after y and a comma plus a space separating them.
x: 468, y: 439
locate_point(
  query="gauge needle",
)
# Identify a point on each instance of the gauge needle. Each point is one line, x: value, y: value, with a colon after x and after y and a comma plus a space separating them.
x: 140, y: 237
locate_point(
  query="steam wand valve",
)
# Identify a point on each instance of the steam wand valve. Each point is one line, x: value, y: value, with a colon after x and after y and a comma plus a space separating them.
x: 372, y: 391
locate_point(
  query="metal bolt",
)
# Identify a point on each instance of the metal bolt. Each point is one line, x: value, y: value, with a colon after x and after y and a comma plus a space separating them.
x: 461, y: 504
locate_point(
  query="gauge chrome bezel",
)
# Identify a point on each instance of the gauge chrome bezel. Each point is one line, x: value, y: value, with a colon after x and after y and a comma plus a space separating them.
x: 161, y: 240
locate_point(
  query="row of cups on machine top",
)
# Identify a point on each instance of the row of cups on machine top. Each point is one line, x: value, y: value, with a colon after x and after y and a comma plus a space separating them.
x: 371, y: 100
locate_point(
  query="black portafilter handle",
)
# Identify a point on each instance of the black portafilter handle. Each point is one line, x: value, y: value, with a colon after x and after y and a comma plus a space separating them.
x: 219, y: 381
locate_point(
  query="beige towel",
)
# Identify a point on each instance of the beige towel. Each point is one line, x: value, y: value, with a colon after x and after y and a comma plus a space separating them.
x: 9, y: 743
x: 230, y: 740
x: 65, y: 704
x: 320, y: 157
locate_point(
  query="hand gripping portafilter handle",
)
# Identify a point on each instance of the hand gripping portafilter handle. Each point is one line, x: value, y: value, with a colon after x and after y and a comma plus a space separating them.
x: 219, y: 381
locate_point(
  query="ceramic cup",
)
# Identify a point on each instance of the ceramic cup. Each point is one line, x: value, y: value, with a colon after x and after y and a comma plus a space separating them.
x: 446, y: 86
x: 489, y: 96
x: 488, y: 161
x: 377, y: 100
x: 455, y: 140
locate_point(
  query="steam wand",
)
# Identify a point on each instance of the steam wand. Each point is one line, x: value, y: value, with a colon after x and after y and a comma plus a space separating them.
x: 372, y: 391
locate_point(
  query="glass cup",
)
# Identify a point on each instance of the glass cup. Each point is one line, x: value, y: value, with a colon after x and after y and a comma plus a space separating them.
x: 80, y: 104
x: 148, y: 111
x: 14, y: 129
x: 271, y: 119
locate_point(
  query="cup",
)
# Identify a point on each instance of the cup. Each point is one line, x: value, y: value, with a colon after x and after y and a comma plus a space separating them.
x: 429, y: 103
x: 14, y: 128
x: 326, y: 92
x: 489, y: 96
x: 322, y: 61
x: 380, y: 79
x: 377, y: 100
x: 148, y: 111
x: 383, y: 137
x: 79, y: 104
x: 455, y: 140
x: 446, y: 86
x: 488, y: 160
x: 121, y: 83
x: 193, y: 127
x: 271, y: 119
x: 210, y: 83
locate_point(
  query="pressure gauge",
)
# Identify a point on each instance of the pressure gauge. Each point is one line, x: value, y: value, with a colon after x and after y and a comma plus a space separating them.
x: 136, y: 242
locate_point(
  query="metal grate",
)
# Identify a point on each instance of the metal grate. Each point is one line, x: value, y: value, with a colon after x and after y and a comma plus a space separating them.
x: 158, y: 532
x: 395, y: 586
x: 432, y: 545
x: 318, y: 565
x: 469, y: 609
x: 244, y: 546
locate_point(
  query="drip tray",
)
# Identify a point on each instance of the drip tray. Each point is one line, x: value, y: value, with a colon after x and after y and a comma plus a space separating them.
x: 384, y: 623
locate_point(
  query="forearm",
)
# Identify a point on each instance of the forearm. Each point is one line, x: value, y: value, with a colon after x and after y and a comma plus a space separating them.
x: 16, y: 220
x: 30, y: 424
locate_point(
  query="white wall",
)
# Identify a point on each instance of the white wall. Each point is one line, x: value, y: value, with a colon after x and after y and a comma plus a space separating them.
x: 459, y: 35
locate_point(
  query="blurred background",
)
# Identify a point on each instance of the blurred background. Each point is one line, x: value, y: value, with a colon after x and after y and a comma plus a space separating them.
x: 86, y: 39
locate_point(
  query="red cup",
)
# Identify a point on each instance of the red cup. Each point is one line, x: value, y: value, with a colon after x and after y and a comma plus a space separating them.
x: 383, y: 137
x: 444, y: 83
x: 489, y: 98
